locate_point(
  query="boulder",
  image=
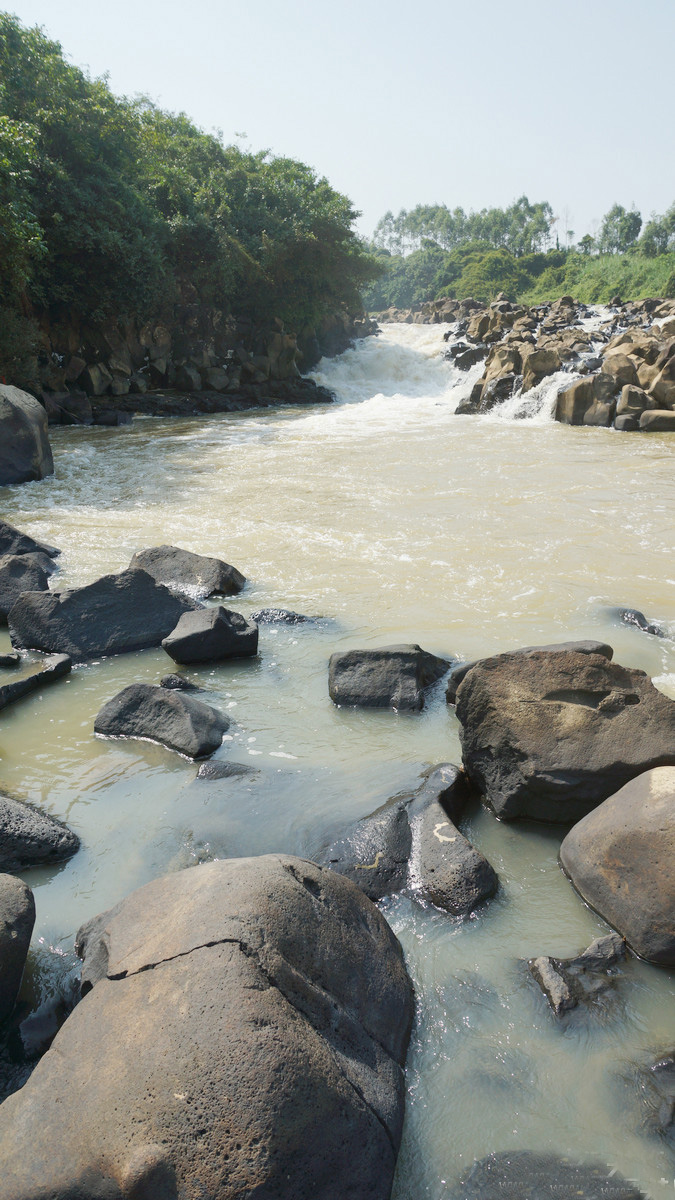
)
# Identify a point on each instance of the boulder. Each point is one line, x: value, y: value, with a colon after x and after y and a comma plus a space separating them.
x: 391, y: 677
x: 469, y: 357
x: 567, y: 982
x: 626, y: 423
x: 243, y: 1031
x: 163, y: 715
x: 620, y: 859
x: 20, y: 573
x: 658, y: 421
x: 53, y: 667
x: 573, y: 403
x: 551, y: 734
x: 599, y: 414
x: 211, y: 635
x: 621, y: 369
x: 195, y: 574
x: 29, y: 837
x: 114, y: 615
x: 17, y: 918
x: 25, y: 452
x: 521, y: 1173
x: 537, y: 365
x: 178, y: 683
x: 279, y: 616
x: 634, y: 401
x: 458, y: 673
x: 13, y: 541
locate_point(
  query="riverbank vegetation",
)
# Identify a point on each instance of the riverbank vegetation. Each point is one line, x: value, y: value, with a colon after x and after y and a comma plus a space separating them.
x: 431, y: 252
x: 113, y: 208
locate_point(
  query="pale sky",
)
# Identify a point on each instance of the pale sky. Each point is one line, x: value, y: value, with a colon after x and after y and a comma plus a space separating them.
x: 402, y: 103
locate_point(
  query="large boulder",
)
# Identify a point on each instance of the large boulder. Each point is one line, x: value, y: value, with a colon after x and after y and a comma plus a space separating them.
x: 25, y: 452
x: 55, y: 666
x: 658, y: 421
x: 114, y: 615
x: 210, y: 635
x: 29, y: 837
x: 522, y: 1174
x: 17, y: 918
x: 165, y: 715
x: 243, y: 1032
x: 13, y: 541
x: 20, y: 573
x: 462, y: 669
x: 195, y: 574
x: 551, y: 734
x: 391, y: 677
x: 620, y: 859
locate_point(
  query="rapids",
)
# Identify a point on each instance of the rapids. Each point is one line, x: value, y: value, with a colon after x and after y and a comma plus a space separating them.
x: 394, y: 520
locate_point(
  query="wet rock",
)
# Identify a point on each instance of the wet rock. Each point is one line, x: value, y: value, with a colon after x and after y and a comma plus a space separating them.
x: 225, y: 770
x: 537, y: 365
x: 54, y: 667
x: 279, y: 616
x: 13, y: 541
x: 633, y: 616
x: 196, y: 574
x: 262, y: 1052
x: 178, y: 683
x: 114, y: 615
x: 620, y: 860
x: 25, y: 452
x: 539, y: 1176
x: 656, y: 1088
x: 412, y: 842
x: 29, y: 837
x: 162, y: 715
x: 469, y: 356
x: 17, y: 918
x: 211, y: 635
x: 568, y: 982
x: 11, y: 660
x: 551, y: 734
x: 391, y: 677
x: 20, y: 573
x: 458, y: 673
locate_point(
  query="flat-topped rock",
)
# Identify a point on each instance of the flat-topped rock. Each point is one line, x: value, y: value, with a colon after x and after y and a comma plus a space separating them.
x: 389, y: 677
x: 458, y: 673
x: 29, y: 837
x: 173, y: 718
x: 211, y: 635
x: 550, y: 735
x: 243, y: 1031
x: 620, y: 859
x: 114, y: 615
x: 195, y: 574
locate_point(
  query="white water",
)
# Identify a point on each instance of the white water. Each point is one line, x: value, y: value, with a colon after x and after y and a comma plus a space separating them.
x: 401, y: 522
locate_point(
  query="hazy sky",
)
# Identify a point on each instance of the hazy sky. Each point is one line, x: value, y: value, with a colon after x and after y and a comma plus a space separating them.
x: 470, y: 104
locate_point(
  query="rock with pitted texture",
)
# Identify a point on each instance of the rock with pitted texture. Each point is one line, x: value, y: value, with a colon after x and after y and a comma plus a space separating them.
x: 172, y: 718
x: 25, y: 452
x: 391, y: 677
x: 17, y: 918
x: 460, y: 672
x: 29, y: 837
x: 114, y: 615
x: 243, y: 1032
x: 550, y: 735
x: 196, y: 574
x: 620, y: 859
x: 211, y: 635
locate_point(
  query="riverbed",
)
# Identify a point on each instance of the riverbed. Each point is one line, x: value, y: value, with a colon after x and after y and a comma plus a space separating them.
x: 388, y: 518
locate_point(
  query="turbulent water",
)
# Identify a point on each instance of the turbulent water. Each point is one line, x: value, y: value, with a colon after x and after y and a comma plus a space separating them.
x: 392, y: 519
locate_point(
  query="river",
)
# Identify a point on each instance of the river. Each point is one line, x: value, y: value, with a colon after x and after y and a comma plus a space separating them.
x: 394, y: 520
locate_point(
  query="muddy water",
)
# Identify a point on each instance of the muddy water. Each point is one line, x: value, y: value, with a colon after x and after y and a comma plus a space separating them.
x: 391, y: 519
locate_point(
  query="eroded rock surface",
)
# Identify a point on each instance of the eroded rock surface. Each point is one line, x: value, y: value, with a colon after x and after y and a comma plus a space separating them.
x: 29, y: 837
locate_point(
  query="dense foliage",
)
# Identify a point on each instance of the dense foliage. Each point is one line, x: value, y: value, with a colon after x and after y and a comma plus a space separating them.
x: 110, y: 207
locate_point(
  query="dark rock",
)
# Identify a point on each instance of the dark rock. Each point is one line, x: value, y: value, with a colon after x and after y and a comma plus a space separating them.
x: 458, y: 673
x: 12, y: 541
x: 114, y: 615
x: 225, y: 770
x: 374, y: 852
x: 29, y: 837
x: 162, y: 715
x: 111, y: 417
x: 567, y: 982
x: 633, y: 616
x: 391, y: 677
x: 53, y: 667
x: 520, y: 1174
x: 211, y: 635
x: 470, y: 356
x: 278, y: 616
x: 550, y: 735
x: 196, y: 574
x: 620, y: 859
x: 17, y: 918
x: 178, y: 683
x: 626, y: 423
x: 11, y: 660
x: 20, y: 573
x: 25, y: 452
x: 656, y: 1088
x: 254, y: 1015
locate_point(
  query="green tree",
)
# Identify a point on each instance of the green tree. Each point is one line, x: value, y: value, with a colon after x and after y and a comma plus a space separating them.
x: 620, y: 230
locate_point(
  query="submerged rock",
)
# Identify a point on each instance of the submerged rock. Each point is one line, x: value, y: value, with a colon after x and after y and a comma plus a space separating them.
x: 243, y: 1031
x: 279, y: 616
x: 633, y: 616
x: 551, y: 734
x: 13, y: 541
x: 53, y: 667
x: 114, y: 615
x: 17, y: 918
x: 225, y: 770
x: 566, y: 982
x: 655, y: 1083
x: 25, y: 452
x: 620, y: 859
x: 196, y: 574
x: 29, y: 837
x: 163, y: 715
x: 178, y: 683
x: 211, y: 635
x: 520, y: 1173
x: 391, y: 677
